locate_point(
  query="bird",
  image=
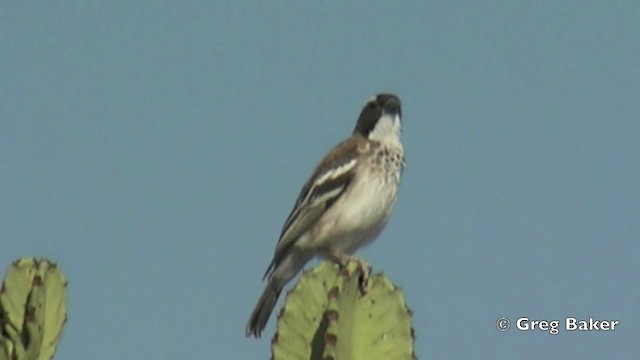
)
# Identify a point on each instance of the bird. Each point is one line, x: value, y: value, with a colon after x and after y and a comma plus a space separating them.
x: 344, y: 205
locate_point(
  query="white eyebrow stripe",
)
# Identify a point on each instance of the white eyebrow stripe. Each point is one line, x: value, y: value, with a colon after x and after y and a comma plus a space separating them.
x: 335, y: 172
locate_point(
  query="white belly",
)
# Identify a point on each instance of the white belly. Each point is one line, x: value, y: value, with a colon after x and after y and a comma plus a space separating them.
x: 358, y: 217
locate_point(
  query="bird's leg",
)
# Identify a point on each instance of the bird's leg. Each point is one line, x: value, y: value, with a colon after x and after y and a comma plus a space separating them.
x: 338, y: 257
x: 363, y: 268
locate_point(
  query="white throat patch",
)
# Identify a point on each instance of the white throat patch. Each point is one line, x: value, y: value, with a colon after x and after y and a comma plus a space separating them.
x: 387, y: 130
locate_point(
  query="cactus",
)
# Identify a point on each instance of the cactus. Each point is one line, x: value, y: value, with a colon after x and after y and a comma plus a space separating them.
x: 32, y: 310
x: 330, y: 314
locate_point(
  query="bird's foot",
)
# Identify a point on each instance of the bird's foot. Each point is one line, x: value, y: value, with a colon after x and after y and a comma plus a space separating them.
x: 362, y: 268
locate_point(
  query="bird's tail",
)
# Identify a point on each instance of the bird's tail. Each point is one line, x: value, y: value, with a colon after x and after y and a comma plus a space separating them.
x: 264, y: 307
x: 283, y: 271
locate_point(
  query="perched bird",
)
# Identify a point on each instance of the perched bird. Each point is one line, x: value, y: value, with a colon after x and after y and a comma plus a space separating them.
x: 344, y: 205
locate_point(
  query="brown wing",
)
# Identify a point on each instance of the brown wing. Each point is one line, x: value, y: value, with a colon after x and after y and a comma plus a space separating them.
x: 327, y: 183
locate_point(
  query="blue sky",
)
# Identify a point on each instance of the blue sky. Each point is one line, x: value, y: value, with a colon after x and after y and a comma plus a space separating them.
x: 154, y: 149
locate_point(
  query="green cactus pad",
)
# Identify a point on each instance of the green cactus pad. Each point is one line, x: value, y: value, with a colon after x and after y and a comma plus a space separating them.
x: 33, y: 308
x: 327, y: 316
x: 6, y: 348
